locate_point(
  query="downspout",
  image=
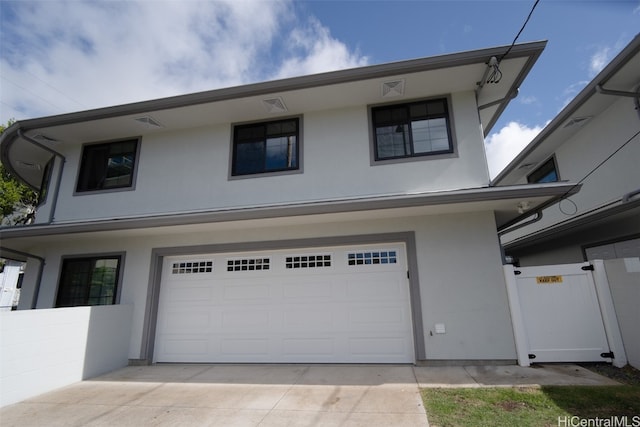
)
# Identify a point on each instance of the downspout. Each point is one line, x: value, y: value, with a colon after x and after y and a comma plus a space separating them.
x: 36, y: 292
x: 56, y: 190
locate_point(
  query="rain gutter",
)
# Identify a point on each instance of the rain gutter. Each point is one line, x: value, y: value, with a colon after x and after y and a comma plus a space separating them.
x: 56, y: 189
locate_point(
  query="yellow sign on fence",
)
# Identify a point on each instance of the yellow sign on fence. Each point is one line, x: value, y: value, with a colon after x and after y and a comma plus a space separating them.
x: 545, y: 280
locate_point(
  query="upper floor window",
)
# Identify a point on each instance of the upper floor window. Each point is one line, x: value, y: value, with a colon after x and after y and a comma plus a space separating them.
x: 413, y: 129
x: 547, y: 172
x: 266, y: 147
x: 89, y: 281
x: 107, y: 165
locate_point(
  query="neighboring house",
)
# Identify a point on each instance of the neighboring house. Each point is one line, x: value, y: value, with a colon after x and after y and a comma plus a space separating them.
x: 339, y: 217
x: 594, y: 141
x: 10, y: 282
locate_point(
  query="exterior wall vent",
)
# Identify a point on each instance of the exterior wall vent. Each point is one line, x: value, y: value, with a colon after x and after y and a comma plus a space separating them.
x: 28, y: 165
x: 576, y: 121
x: 391, y: 89
x: 274, y: 105
x: 45, y: 138
x: 150, y: 122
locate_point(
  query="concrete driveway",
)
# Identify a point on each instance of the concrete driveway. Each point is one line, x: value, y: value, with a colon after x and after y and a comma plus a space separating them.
x: 269, y: 395
x: 231, y: 395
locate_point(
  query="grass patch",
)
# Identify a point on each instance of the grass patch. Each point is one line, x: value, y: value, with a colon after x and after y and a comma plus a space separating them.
x: 527, y: 406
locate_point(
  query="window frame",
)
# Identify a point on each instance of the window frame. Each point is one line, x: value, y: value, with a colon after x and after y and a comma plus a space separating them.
x: 550, y: 160
x: 299, y: 149
x: 120, y: 256
x: 134, y: 173
x: 450, y: 121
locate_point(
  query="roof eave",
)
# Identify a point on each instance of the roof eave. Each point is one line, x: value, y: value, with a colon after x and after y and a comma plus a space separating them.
x: 587, y: 92
x: 518, y: 192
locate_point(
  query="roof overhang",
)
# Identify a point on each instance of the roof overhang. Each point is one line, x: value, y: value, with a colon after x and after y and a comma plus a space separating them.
x: 510, y: 204
x: 28, y: 145
x: 605, y: 216
x: 622, y: 74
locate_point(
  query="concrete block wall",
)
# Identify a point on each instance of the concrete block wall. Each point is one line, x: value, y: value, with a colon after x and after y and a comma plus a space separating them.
x: 41, y: 350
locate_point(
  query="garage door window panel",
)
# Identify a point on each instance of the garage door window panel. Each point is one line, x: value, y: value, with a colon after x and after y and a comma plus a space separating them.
x: 248, y: 264
x: 372, y: 257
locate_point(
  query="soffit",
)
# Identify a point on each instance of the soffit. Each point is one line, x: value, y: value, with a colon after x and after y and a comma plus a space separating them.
x: 337, y: 96
x: 424, y: 77
x: 507, y: 203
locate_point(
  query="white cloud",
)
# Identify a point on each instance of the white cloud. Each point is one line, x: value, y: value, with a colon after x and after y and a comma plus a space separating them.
x: 503, y: 146
x: 71, y: 55
x: 528, y: 100
x: 316, y: 51
x: 599, y: 60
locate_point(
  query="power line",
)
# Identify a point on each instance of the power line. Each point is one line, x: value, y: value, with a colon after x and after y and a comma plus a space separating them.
x: 519, y: 32
x: 55, y: 88
x: 494, y: 64
x: 600, y: 164
x: 32, y: 93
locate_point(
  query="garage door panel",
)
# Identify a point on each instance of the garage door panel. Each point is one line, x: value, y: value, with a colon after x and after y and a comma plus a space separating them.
x: 308, y: 320
x: 197, y: 296
x: 308, y: 347
x: 392, y: 316
x: 307, y: 306
x: 249, y: 292
x: 179, y: 347
x: 245, y: 320
x: 304, y: 289
x: 378, y: 346
x: 177, y: 322
x: 246, y: 347
x: 374, y: 286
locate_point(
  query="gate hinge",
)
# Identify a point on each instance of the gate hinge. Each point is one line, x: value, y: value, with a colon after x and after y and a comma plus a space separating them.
x: 408, y: 275
x: 588, y: 268
x: 516, y: 272
x: 607, y: 355
x: 532, y: 356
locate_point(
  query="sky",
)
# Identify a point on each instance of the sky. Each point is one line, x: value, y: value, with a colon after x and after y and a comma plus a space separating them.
x: 64, y: 56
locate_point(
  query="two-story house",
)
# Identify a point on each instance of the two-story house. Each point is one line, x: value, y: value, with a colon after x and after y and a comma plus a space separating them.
x: 341, y: 217
x: 594, y: 141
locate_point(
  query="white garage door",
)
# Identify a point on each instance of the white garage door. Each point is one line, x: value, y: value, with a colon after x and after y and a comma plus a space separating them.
x: 327, y: 305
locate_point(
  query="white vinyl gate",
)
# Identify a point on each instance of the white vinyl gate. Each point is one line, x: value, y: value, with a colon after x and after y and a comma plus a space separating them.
x: 561, y: 314
x: 314, y: 305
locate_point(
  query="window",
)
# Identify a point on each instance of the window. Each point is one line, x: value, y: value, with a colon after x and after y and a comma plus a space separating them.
x: 248, y: 264
x: 192, y: 267
x: 545, y: 173
x: 106, y: 166
x: 265, y: 147
x: 381, y: 257
x: 89, y: 281
x: 411, y: 130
